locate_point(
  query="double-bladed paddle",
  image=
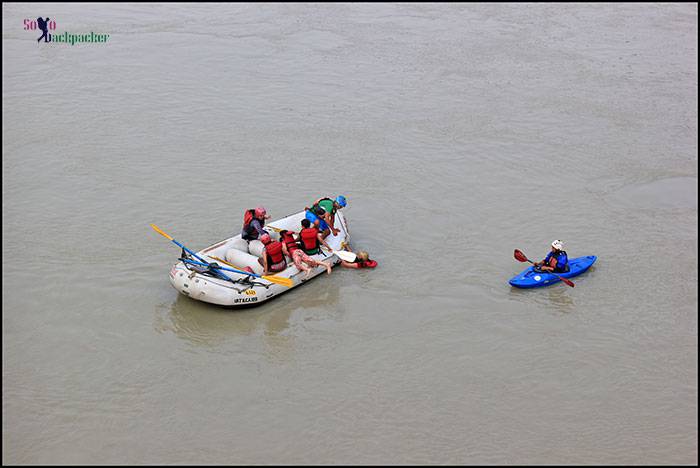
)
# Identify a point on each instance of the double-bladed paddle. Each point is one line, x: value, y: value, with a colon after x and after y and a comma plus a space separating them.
x: 519, y: 256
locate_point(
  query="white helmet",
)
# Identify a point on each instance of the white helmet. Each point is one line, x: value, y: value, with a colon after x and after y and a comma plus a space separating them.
x: 557, y: 244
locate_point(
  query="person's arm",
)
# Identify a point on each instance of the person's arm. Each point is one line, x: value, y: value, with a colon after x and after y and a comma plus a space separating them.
x: 549, y: 266
x: 542, y: 262
x: 320, y: 239
x: 258, y: 227
x: 331, y: 225
x: 264, y: 259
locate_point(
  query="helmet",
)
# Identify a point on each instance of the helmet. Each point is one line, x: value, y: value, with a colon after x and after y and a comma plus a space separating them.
x: 340, y: 200
x: 557, y: 244
x: 265, y: 239
x: 260, y: 212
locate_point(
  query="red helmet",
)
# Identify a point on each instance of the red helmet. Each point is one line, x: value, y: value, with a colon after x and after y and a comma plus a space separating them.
x: 265, y: 239
x: 260, y: 212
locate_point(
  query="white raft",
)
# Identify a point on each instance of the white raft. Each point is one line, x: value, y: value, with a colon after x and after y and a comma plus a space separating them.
x: 246, y: 289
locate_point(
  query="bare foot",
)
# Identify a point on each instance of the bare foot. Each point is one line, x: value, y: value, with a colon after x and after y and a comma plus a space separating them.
x: 328, y: 269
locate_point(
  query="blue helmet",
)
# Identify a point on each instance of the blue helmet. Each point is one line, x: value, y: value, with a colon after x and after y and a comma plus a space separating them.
x: 340, y: 200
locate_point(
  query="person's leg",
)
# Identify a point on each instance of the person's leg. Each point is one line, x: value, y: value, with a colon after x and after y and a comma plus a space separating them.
x: 328, y: 266
x: 262, y: 264
x: 298, y: 257
x: 322, y: 227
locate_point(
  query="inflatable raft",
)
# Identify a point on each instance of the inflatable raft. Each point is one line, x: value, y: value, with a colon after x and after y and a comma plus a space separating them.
x: 195, y: 280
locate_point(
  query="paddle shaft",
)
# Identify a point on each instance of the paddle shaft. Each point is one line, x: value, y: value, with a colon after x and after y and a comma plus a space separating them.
x: 162, y: 233
x: 237, y: 271
x: 218, y: 267
x: 281, y: 280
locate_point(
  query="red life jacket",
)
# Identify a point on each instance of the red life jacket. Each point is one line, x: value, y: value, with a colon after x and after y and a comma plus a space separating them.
x: 308, y: 239
x: 290, y: 242
x: 274, y: 252
x: 366, y: 264
x: 248, y: 217
x: 249, y: 233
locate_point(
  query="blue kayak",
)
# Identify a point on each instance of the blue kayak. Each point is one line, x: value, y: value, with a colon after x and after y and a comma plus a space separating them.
x: 535, y: 279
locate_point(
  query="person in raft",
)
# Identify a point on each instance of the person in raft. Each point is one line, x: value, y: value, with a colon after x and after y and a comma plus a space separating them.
x: 322, y: 214
x: 289, y: 243
x: 556, y: 261
x: 253, y: 223
x: 272, y: 260
x: 310, y: 242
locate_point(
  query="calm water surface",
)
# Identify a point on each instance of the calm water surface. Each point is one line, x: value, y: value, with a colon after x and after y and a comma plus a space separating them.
x: 458, y: 132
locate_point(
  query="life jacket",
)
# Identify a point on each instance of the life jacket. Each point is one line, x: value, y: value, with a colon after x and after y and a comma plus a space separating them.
x: 367, y: 264
x: 290, y: 243
x: 249, y: 232
x: 274, y: 253
x: 308, y: 240
x: 562, y: 259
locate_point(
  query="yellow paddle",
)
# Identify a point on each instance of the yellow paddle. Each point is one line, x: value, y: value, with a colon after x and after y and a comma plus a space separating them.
x: 288, y: 282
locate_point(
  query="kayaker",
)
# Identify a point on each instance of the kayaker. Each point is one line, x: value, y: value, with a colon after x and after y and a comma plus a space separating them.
x: 556, y: 261
x: 362, y: 260
x: 253, y: 222
x: 272, y: 260
x: 310, y: 239
x: 323, y: 210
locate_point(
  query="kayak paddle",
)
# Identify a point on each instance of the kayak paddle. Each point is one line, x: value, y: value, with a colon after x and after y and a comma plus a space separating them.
x: 160, y: 231
x: 519, y: 256
x: 273, y: 279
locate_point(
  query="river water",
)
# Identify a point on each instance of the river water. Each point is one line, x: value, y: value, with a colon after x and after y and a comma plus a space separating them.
x: 457, y: 132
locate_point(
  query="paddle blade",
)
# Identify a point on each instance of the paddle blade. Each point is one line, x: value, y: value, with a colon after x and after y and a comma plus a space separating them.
x: 519, y: 256
x: 567, y: 282
x: 288, y: 282
x: 159, y: 231
x: 347, y: 256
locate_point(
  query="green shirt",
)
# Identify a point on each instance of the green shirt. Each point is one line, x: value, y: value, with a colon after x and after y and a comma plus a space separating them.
x: 327, y: 205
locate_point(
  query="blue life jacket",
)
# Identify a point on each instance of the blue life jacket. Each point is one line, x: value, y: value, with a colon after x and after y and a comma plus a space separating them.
x: 562, y: 261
